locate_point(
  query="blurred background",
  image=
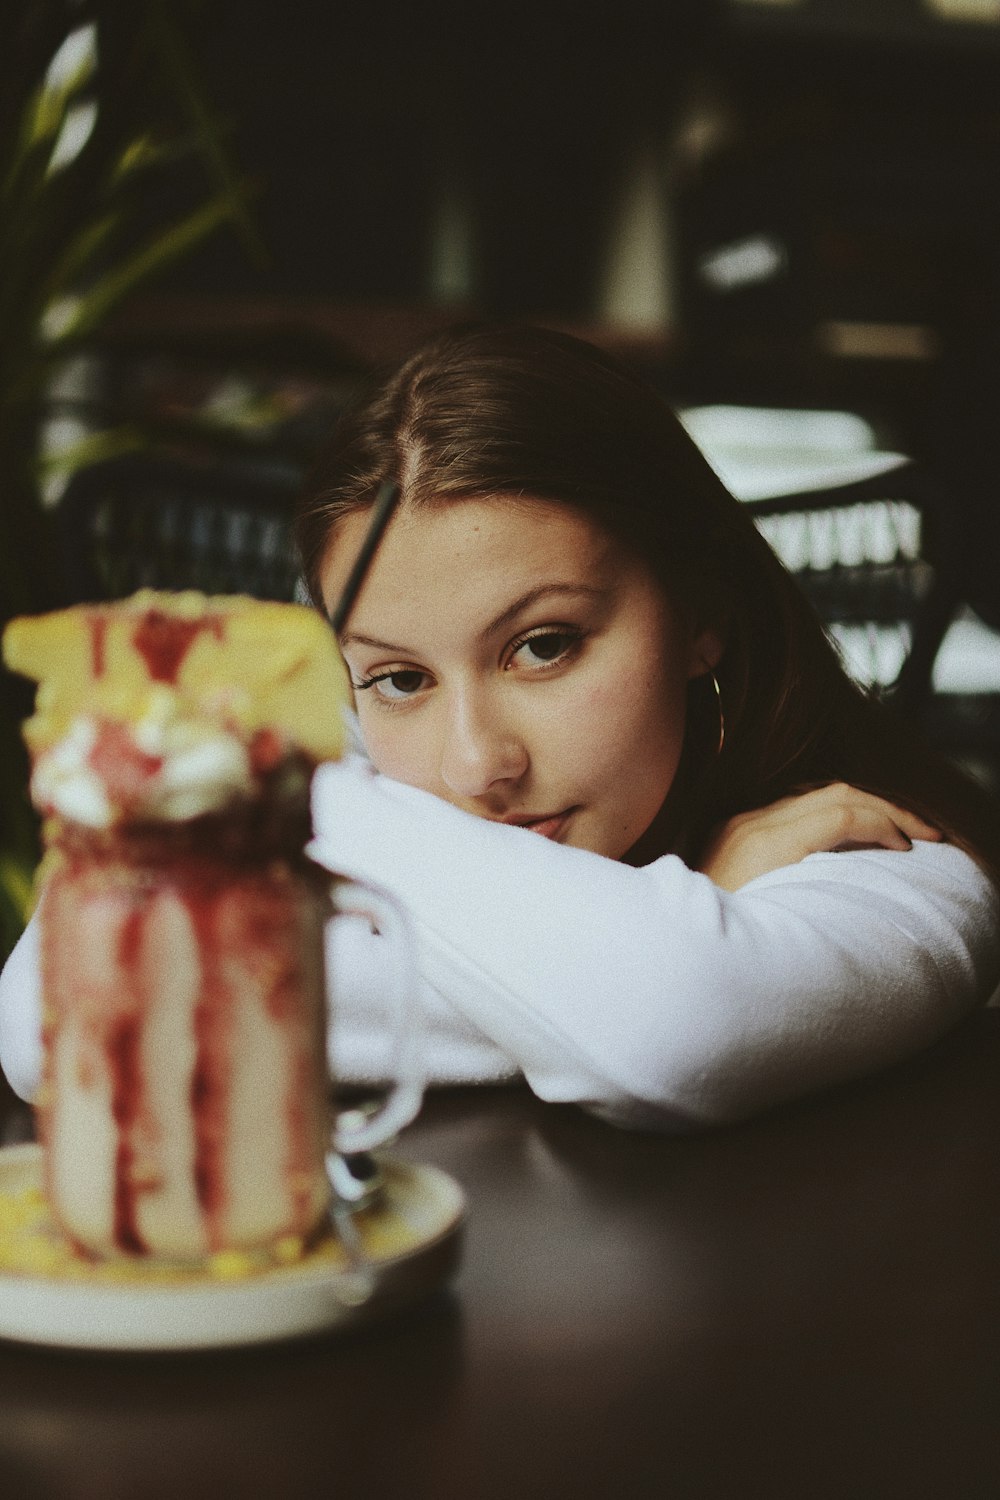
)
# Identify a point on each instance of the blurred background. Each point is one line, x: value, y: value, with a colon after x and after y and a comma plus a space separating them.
x: 218, y: 219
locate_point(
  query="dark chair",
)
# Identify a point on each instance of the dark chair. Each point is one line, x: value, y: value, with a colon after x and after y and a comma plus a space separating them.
x: 890, y: 605
x: 858, y: 551
x: 152, y: 520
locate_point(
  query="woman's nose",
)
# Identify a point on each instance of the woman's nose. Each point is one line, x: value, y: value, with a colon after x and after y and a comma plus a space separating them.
x: 482, y: 746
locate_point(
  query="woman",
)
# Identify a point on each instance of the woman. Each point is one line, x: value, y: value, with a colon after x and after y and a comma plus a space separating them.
x: 571, y: 624
x: 662, y: 857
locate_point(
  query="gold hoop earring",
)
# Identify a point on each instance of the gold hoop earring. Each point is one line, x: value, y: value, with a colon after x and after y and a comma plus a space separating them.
x: 722, y: 717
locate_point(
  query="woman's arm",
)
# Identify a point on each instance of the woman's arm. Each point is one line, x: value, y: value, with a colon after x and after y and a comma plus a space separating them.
x: 651, y: 995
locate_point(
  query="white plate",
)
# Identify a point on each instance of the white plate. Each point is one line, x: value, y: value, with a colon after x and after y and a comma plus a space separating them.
x: 411, y: 1241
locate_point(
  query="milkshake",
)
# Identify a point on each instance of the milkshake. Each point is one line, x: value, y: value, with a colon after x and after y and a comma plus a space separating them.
x: 183, y: 1107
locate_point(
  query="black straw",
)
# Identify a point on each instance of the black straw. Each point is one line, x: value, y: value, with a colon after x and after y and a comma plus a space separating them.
x: 385, y: 504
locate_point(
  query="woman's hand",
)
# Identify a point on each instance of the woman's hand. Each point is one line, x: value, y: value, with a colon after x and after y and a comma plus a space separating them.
x: 833, y: 817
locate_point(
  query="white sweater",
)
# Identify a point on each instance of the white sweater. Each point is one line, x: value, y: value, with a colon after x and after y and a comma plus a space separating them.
x: 649, y: 996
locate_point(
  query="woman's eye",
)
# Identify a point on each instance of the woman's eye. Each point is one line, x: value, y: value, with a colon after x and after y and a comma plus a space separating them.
x: 545, y: 647
x: 394, y: 686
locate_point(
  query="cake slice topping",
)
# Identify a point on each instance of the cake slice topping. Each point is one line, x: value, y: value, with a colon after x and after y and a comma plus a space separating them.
x: 162, y: 707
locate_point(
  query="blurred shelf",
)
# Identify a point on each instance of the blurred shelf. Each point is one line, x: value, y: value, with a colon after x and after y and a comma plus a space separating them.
x: 363, y: 335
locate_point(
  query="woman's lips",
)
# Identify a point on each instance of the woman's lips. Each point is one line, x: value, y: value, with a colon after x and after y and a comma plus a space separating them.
x: 549, y: 825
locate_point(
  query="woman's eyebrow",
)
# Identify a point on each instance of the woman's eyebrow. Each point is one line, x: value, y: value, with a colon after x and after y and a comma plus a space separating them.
x: 510, y: 612
x: 352, y: 638
x: 535, y: 596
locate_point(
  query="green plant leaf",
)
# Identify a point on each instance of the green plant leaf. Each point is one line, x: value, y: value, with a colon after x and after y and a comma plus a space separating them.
x: 41, y: 122
x: 141, y: 155
x: 95, y: 448
x: 94, y: 305
x: 53, y: 97
x: 179, y: 65
x: 61, y: 233
x: 17, y: 876
x: 80, y: 252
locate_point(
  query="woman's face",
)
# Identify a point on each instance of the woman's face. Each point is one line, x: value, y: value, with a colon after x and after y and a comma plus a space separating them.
x: 511, y: 658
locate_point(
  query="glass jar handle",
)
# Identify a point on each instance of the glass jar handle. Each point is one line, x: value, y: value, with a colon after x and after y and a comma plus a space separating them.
x: 363, y: 1129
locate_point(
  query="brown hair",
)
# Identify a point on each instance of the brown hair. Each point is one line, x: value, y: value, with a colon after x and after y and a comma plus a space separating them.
x: 486, y: 409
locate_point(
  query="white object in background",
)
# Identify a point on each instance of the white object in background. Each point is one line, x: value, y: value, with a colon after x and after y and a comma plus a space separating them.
x: 636, y: 292
x: 452, y: 269
x: 968, y: 660
x: 746, y: 262
x: 980, y: 12
x: 873, y: 653
x: 763, y: 452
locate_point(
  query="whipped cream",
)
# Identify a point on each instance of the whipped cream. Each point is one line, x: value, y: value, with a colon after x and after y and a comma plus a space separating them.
x: 167, y: 766
x: 62, y: 781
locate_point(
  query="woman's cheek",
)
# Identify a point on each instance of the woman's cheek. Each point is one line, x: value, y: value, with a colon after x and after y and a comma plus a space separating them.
x: 400, y: 749
x: 378, y: 743
x: 589, y: 732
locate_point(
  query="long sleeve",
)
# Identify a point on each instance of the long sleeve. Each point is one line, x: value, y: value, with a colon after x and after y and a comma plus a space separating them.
x: 21, y: 1015
x: 650, y: 995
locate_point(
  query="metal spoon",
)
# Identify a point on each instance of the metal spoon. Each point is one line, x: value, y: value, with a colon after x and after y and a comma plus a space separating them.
x: 356, y: 1178
x: 357, y: 1181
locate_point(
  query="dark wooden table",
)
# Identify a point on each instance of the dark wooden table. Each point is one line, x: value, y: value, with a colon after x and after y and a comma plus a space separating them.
x: 806, y: 1306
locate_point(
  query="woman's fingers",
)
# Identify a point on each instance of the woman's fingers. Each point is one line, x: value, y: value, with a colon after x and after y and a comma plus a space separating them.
x: 871, y: 829
x: 857, y: 818
x: 834, y: 817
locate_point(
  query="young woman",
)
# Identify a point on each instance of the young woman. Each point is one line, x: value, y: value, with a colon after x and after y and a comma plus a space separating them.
x: 662, y: 857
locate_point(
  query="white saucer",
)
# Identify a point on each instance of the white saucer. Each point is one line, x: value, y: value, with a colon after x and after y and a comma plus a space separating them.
x: 411, y: 1243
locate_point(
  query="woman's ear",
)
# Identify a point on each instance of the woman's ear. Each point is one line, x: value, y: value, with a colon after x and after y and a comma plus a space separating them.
x: 707, y: 646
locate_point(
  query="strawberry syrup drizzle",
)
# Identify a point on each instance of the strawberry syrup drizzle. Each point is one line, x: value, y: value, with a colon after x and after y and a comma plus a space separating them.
x: 98, y: 642
x: 275, y: 922
x: 279, y: 922
x: 122, y: 767
x: 52, y: 987
x: 164, y: 640
x: 209, y: 1084
x: 125, y: 1065
x: 213, y: 1024
x: 298, y: 1162
x: 288, y: 1006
